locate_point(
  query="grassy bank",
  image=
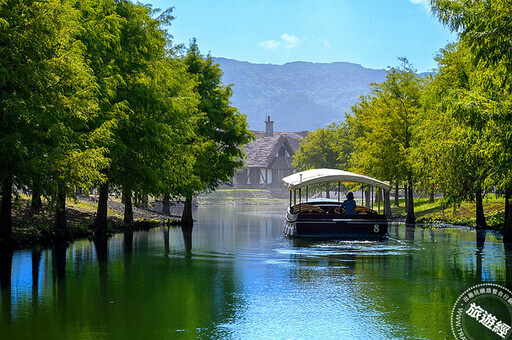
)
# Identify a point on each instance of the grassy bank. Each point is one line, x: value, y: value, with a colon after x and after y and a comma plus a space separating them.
x: 464, y: 215
x: 32, y: 228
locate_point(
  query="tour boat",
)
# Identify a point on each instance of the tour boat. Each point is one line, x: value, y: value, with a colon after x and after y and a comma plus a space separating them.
x: 310, y: 216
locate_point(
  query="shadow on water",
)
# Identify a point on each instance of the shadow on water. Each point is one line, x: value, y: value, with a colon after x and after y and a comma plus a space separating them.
x: 508, y: 264
x: 239, y: 276
x: 480, y: 241
x: 59, y: 272
x: 101, y: 245
x: 187, y: 239
x: 409, y: 232
x: 36, y: 262
x: 127, y: 248
x: 167, y: 250
x: 6, y: 256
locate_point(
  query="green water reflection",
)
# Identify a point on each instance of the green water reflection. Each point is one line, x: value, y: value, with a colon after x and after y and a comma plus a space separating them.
x: 234, y: 276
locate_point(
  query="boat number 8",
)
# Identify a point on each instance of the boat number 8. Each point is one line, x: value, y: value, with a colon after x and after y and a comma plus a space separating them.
x: 376, y: 228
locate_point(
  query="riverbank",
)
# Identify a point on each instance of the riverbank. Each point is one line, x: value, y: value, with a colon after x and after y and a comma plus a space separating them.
x: 464, y: 215
x: 34, y: 228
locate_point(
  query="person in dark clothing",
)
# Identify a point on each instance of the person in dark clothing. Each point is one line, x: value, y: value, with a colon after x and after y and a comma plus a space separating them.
x: 349, y: 204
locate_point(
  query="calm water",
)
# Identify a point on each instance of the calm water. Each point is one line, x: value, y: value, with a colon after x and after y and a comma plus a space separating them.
x: 234, y: 276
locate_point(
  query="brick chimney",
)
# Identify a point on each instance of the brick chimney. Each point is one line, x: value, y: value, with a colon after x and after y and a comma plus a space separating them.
x: 269, y: 127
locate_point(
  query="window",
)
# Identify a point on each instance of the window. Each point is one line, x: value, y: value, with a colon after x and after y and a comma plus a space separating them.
x: 263, y: 176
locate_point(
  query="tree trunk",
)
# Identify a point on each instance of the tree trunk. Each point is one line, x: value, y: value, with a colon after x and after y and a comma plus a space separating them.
x: 36, y: 202
x: 406, y: 194
x: 432, y: 193
x: 5, y: 212
x: 60, y: 225
x: 100, y: 222
x: 387, y: 205
x: 480, y: 217
x: 368, y: 199
x: 327, y: 190
x: 166, y: 204
x: 136, y: 200
x: 397, y: 200
x: 410, y: 219
x: 186, y: 217
x: 507, y: 205
x: 128, y: 207
x: 507, y: 229
x: 145, y: 201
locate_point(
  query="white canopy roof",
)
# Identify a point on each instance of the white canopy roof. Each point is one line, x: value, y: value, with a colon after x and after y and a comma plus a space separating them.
x: 308, y: 177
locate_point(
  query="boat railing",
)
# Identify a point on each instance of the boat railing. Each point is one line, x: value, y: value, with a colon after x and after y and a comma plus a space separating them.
x: 308, y: 208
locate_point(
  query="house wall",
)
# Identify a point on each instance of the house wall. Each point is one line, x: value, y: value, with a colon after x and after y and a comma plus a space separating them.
x: 260, y: 178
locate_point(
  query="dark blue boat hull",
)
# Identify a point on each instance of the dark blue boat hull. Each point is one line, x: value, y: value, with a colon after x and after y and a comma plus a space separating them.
x: 364, y: 228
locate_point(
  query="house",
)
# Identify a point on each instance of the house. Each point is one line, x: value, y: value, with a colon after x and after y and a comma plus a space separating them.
x: 268, y: 158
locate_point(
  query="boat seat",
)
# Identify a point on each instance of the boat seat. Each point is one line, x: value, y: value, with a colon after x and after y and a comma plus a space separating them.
x: 364, y: 210
x: 308, y: 208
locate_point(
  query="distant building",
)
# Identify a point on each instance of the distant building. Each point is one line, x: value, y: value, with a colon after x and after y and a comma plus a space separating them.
x: 268, y: 158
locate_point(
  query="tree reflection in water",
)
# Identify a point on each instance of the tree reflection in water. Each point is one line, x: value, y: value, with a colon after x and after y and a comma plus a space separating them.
x: 242, y: 277
x: 6, y: 256
x: 187, y: 238
x: 508, y: 264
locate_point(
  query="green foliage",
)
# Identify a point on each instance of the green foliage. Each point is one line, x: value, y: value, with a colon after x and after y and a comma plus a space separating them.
x: 325, y: 148
x: 382, y: 125
x: 450, y: 154
x: 92, y: 92
x: 485, y: 28
x: 221, y: 130
x: 46, y: 97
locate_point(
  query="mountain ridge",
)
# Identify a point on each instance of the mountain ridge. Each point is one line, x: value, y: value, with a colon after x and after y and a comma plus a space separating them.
x: 297, y: 95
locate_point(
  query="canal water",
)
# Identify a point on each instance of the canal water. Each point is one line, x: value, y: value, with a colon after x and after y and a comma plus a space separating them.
x: 233, y: 276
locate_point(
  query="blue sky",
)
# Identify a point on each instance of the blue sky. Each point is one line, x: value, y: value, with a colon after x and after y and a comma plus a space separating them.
x: 372, y: 33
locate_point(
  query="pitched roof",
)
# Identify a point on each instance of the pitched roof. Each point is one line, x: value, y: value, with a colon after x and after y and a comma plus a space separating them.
x: 261, y: 152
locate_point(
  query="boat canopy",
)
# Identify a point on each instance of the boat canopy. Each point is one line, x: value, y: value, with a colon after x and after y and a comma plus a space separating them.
x: 302, y: 179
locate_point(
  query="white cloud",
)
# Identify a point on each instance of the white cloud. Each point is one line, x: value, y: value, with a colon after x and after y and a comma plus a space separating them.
x: 270, y: 44
x: 371, y: 40
x: 424, y: 3
x: 287, y: 41
x: 290, y: 41
x: 324, y: 42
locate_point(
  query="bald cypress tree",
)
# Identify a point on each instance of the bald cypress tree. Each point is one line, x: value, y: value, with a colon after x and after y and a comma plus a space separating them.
x: 221, y: 131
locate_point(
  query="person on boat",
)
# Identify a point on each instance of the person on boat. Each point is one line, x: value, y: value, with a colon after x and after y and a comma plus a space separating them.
x: 349, y: 204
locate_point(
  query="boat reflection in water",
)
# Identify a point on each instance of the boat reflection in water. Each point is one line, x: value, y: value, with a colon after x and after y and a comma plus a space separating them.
x: 326, y: 217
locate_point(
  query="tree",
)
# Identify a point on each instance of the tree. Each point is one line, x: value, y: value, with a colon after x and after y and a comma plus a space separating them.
x: 45, y: 96
x: 142, y: 93
x: 450, y: 153
x: 221, y: 131
x: 486, y: 27
x: 325, y: 148
x: 382, y: 128
x: 158, y: 130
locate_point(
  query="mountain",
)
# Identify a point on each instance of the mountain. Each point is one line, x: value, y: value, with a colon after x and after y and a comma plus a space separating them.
x: 298, y: 95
